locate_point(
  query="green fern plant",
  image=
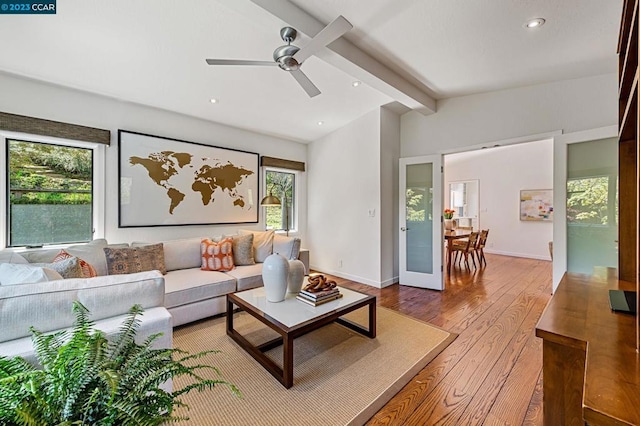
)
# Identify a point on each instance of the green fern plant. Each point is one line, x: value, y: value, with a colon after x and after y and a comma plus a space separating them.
x: 88, y: 380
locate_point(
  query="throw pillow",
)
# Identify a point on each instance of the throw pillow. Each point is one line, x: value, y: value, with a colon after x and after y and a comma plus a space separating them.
x: 217, y: 256
x: 288, y: 247
x: 68, y: 268
x: 135, y: 259
x: 88, y: 271
x: 92, y: 253
x: 21, y: 273
x: 243, y: 250
x: 262, y: 244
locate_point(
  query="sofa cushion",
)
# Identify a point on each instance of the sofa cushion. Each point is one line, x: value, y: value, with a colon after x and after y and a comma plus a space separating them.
x: 182, y: 254
x: 191, y: 285
x: 217, y: 256
x: 10, y: 256
x: 135, y: 259
x: 20, y: 273
x: 288, y: 247
x: 40, y: 255
x: 243, y: 250
x: 262, y: 243
x: 104, y: 297
x: 247, y: 277
x: 88, y: 271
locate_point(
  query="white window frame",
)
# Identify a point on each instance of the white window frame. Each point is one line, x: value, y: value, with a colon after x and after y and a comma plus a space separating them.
x: 296, y: 196
x: 98, y: 184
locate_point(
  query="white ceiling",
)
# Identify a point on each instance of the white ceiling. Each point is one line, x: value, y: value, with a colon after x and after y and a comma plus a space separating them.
x: 152, y: 52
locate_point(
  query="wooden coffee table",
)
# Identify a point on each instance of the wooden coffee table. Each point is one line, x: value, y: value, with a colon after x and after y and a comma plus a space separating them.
x: 292, y: 318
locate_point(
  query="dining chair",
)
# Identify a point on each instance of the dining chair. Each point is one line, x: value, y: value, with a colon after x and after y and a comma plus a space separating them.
x: 479, y: 249
x: 464, y: 248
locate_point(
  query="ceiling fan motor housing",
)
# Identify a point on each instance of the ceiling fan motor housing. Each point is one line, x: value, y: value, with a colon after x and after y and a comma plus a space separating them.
x: 283, y: 55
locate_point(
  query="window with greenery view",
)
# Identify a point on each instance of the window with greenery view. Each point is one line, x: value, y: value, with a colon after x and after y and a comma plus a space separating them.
x: 50, y: 193
x: 282, y: 185
x: 592, y: 201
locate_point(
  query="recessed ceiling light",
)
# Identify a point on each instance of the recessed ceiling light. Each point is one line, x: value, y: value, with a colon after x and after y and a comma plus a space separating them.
x: 213, y: 100
x: 534, y: 23
x: 356, y: 83
x: 320, y: 123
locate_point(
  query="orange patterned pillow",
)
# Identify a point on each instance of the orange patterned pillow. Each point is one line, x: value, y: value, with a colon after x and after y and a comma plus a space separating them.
x: 217, y: 256
x: 87, y: 270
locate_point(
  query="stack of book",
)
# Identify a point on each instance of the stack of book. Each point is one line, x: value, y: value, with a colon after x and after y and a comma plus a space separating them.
x: 320, y: 297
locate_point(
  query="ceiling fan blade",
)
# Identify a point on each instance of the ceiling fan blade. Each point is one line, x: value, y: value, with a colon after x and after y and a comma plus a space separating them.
x: 331, y: 32
x: 306, y: 84
x: 238, y: 62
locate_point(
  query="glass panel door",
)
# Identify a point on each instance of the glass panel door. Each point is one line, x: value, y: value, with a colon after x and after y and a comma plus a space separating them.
x: 420, y: 221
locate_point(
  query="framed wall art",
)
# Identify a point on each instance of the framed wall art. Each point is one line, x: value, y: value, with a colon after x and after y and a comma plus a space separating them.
x: 169, y: 182
x: 536, y: 205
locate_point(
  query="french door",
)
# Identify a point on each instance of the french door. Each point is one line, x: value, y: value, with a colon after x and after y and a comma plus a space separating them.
x: 421, y: 222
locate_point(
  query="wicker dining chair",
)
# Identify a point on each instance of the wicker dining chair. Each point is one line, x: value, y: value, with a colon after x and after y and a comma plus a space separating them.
x: 464, y: 248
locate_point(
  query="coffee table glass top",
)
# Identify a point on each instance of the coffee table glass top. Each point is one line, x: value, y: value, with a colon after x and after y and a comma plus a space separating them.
x: 292, y: 312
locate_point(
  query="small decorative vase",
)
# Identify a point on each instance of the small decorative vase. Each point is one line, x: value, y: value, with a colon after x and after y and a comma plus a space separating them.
x: 296, y: 276
x: 275, y: 276
x: 448, y: 224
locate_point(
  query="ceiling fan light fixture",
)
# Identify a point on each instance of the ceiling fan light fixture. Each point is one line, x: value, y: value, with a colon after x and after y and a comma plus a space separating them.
x: 534, y: 23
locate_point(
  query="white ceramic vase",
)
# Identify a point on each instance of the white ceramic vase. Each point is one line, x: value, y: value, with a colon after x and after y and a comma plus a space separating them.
x: 275, y: 276
x: 296, y: 275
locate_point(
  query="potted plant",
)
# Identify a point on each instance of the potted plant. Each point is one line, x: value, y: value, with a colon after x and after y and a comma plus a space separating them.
x: 448, y: 219
x: 88, y: 380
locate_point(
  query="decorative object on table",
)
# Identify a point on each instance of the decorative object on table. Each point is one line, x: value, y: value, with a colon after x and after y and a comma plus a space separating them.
x: 275, y: 276
x: 296, y: 276
x: 449, y: 222
x: 536, y: 205
x: 106, y: 381
x: 319, y: 290
x: 318, y: 283
x: 273, y: 201
x: 166, y: 182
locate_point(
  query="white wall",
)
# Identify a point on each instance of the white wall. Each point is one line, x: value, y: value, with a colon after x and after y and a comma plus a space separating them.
x: 28, y: 97
x: 343, y: 185
x: 569, y: 106
x: 389, y: 182
x: 502, y: 172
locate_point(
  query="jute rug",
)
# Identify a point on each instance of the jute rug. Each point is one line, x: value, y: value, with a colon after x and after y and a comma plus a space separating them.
x: 340, y: 377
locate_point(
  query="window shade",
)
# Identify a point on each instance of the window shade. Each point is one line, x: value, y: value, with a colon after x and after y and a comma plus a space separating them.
x: 281, y: 164
x: 39, y: 126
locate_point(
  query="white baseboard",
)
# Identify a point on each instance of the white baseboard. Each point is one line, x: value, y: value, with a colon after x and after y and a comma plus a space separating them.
x: 525, y: 255
x: 357, y: 278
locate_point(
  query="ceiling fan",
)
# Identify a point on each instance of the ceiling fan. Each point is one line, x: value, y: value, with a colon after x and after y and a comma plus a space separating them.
x: 290, y: 57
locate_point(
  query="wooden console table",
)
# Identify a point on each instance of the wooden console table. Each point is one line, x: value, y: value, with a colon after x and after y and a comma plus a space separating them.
x: 591, y: 369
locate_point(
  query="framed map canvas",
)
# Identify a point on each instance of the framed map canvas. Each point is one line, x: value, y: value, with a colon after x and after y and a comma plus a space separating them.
x: 536, y: 205
x: 169, y: 182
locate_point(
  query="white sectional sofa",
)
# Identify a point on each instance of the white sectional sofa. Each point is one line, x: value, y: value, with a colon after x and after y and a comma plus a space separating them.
x: 190, y: 293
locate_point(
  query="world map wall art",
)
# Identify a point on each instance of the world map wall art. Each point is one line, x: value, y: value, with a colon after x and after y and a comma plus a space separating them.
x: 169, y: 182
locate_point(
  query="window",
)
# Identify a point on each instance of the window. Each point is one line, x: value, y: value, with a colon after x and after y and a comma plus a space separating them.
x: 592, y: 201
x: 51, y: 193
x: 281, y: 184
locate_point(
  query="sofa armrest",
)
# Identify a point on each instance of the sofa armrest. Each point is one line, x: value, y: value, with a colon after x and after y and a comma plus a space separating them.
x: 303, y: 256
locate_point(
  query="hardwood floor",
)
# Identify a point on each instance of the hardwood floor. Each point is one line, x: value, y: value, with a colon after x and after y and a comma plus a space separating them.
x: 492, y: 373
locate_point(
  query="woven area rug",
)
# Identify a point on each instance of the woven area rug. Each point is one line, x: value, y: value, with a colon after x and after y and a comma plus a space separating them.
x: 340, y: 377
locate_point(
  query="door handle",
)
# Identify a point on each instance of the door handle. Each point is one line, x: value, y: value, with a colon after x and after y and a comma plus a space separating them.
x: 404, y: 229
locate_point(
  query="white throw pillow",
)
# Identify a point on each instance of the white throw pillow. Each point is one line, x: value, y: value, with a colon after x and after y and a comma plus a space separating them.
x: 288, y: 247
x: 92, y: 253
x: 262, y: 243
x: 18, y: 273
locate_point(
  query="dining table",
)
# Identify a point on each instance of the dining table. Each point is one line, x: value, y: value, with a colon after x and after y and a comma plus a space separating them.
x: 449, y: 236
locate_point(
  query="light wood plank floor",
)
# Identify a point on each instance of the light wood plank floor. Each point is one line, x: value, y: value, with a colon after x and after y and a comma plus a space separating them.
x: 492, y: 373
